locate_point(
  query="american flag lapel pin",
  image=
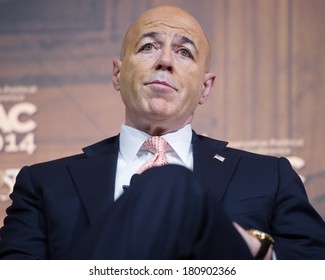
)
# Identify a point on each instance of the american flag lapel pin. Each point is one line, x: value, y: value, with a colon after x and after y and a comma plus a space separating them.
x: 218, y: 157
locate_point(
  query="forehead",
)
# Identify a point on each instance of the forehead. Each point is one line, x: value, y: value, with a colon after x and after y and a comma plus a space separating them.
x: 161, y: 30
x: 168, y: 21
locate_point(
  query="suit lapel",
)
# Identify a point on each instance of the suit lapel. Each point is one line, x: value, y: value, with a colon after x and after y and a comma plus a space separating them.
x: 214, y: 172
x: 94, y: 176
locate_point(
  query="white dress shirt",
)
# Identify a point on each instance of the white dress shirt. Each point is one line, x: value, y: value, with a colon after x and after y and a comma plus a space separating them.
x: 131, y: 156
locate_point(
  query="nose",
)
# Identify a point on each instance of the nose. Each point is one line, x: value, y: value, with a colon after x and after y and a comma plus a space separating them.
x: 165, y: 60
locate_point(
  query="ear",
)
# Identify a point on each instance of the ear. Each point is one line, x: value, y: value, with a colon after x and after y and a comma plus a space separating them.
x: 207, y: 87
x: 116, y: 73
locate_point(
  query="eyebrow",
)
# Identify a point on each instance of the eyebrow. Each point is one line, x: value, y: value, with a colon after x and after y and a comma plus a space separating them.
x: 152, y: 34
x: 185, y: 40
x: 182, y: 39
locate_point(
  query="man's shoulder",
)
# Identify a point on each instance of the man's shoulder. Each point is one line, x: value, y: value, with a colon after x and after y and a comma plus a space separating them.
x: 228, y: 149
x: 99, y: 148
x: 208, y: 141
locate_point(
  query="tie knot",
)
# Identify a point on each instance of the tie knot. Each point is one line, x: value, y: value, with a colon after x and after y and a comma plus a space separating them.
x: 156, y: 144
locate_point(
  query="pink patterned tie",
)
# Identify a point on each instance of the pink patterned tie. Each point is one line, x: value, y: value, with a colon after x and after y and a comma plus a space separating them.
x: 156, y: 145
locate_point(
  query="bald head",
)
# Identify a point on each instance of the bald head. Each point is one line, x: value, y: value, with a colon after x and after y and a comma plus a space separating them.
x: 163, y: 73
x: 174, y: 18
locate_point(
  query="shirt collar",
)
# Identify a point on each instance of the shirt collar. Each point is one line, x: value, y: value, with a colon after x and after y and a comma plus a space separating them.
x: 179, y: 140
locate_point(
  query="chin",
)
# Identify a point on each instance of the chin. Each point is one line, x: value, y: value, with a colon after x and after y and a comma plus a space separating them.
x: 159, y: 107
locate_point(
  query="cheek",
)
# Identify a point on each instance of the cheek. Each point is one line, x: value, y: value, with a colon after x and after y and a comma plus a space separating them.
x: 193, y: 88
x: 128, y: 81
x: 133, y: 74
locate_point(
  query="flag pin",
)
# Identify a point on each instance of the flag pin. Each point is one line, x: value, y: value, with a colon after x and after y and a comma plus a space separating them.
x: 218, y: 157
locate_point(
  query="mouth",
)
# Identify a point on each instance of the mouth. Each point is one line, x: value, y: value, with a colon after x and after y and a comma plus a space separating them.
x: 161, y: 84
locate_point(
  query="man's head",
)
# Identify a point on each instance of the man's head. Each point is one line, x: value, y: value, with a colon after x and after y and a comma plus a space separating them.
x: 162, y: 73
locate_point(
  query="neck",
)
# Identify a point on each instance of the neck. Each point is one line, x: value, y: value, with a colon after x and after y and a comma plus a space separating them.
x: 157, y: 129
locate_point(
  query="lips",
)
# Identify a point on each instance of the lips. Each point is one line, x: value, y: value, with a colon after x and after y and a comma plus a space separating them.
x: 162, y: 83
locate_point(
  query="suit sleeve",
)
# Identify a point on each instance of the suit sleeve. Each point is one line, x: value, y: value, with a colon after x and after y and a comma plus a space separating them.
x: 298, y: 229
x: 23, y: 235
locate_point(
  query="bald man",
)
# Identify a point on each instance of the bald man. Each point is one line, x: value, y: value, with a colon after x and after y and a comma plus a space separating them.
x: 158, y: 190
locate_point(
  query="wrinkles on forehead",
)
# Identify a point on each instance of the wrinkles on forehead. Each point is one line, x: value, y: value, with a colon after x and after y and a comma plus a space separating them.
x: 171, y: 18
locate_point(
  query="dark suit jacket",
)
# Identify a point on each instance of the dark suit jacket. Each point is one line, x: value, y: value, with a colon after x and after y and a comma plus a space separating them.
x: 54, y: 202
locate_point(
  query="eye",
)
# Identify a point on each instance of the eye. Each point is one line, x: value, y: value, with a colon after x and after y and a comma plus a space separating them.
x: 185, y: 52
x: 147, y: 47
